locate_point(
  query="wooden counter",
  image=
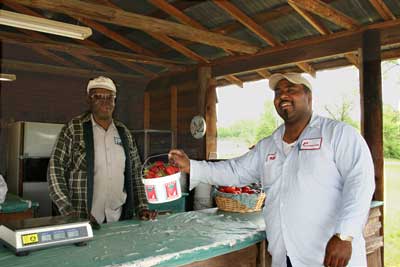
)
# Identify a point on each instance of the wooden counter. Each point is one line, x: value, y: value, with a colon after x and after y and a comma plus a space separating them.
x: 198, y: 238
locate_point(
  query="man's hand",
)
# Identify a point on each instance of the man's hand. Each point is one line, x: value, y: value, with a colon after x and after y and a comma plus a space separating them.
x: 337, y: 252
x: 146, y: 214
x: 180, y: 159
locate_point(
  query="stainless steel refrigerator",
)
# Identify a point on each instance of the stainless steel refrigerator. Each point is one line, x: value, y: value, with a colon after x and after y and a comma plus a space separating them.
x: 29, y: 148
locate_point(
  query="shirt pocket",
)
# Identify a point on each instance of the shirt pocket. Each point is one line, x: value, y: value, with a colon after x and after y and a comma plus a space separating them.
x: 270, y: 171
x: 318, y: 168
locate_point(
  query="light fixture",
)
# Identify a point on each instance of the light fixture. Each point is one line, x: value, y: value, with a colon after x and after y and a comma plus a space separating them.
x: 7, y: 77
x: 43, y: 25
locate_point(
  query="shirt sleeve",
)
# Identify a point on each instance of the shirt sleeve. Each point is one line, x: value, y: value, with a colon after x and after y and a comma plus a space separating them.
x: 58, y: 165
x: 239, y: 171
x: 354, y: 162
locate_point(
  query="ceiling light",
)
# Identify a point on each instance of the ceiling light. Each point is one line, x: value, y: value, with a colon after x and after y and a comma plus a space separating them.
x: 43, y: 25
x: 7, y: 77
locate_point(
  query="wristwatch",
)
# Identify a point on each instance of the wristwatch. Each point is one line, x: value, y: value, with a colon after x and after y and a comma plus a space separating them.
x: 344, y: 237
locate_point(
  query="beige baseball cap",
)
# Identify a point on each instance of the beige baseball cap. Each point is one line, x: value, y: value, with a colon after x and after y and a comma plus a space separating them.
x: 292, y: 77
x: 101, y: 82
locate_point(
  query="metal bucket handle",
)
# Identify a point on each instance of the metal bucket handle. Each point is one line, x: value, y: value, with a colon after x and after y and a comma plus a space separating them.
x: 154, y: 156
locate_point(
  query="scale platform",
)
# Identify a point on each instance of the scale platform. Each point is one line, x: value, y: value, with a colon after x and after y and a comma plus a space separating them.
x: 38, y: 233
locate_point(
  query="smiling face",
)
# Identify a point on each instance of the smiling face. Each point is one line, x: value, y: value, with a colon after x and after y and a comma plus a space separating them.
x: 293, y: 102
x: 101, y: 103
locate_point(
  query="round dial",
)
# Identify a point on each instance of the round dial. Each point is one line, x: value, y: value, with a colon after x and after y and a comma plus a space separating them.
x: 198, y: 127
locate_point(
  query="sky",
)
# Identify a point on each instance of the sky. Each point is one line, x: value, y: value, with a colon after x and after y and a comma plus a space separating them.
x: 330, y: 87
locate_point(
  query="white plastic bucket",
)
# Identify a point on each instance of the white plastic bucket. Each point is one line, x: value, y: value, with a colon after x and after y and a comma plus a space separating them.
x: 162, y: 189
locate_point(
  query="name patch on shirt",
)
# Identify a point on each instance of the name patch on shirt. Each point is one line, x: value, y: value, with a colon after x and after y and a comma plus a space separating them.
x: 271, y: 157
x: 117, y: 140
x: 311, y: 144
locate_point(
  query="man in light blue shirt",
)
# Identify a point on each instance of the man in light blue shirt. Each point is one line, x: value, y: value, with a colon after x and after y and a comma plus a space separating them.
x: 317, y: 173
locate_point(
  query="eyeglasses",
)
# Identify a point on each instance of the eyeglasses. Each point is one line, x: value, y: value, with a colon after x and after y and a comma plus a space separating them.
x: 102, y: 97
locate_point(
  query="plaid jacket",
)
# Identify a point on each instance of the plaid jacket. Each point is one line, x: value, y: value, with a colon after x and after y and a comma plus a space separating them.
x: 71, y: 169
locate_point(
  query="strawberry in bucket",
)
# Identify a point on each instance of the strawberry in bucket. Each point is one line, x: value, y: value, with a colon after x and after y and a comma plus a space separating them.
x: 161, y: 181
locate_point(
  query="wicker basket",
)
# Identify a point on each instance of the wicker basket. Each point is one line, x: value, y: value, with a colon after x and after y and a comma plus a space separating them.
x: 231, y: 202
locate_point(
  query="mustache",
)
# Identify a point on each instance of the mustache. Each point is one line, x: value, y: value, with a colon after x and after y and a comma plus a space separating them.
x: 285, y: 101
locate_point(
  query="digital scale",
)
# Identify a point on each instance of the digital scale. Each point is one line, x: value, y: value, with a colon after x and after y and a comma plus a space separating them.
x: 37, y: 233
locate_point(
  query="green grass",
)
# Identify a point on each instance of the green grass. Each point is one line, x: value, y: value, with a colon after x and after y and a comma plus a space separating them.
x: 392, y: 213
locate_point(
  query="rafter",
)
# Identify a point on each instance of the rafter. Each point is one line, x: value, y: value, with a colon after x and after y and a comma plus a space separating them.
x: 239, y: 15
x: 382, y: 9
x: 264, y: 73
x: 135, y: 67
x: 311, y: 20
x: 183, y: 18
x: 90, y: 51
x: 233, y: 79
x: 41, y: 36
x: 144, y: 23
x: 247, y: 21
x: 327, y: 12
x: 320, y: 28
x: 312, y: 48
x: 116, y: 37
x: 352, y: 58
x: 259, y: 18
x: 58, y: 70
x: 46, y: 53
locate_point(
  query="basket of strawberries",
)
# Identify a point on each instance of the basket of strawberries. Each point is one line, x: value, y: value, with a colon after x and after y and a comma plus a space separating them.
x: 239, y: 199
x: 161, y: 181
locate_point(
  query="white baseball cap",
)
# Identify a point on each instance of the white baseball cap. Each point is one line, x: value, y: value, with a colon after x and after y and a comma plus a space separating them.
x: 292, y: 77
x: 101, y: 82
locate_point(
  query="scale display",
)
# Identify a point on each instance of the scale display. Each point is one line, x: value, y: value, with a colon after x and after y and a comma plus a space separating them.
x: 38, y: 233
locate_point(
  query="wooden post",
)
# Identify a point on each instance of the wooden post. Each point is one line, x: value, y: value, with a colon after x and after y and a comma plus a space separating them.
x: 371, y: 106
x: 371, y: 103
x: 204, y: 76
x: 174, y: 115
x: 211, y: 119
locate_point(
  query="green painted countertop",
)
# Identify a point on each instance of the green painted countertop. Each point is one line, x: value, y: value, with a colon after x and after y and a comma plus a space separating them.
x: 14, y: 203
x: 171, y: 240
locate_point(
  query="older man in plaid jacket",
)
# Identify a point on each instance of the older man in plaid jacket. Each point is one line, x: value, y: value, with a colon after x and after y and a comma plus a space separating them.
x: 94, y: 170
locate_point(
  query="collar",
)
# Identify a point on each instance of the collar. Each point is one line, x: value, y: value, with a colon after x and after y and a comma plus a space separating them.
x: 95, y: 124
x: 315, y: 122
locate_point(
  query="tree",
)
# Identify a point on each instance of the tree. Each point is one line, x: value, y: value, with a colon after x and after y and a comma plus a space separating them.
x: 391, y: 132
x: 268, y: 122
x: 341, y: 112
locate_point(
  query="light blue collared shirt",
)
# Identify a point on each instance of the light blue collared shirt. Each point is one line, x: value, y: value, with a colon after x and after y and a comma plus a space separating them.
x: 322, y: 187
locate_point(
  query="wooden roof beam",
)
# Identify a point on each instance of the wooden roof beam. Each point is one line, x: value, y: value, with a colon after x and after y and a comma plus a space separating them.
x: 170, y: 42
x: 115, y: 36
x: 234, y: 80
x: 352, y: 58
x: 312, y: 48
x: 327, y: 12
x: 182, y: 17
x: 239, y: 15
x: 90, y: 51
x: 47, y: 53
x: 264, y: 73
x: 382, y: 9
x: 135, y: 67
x: 144, y: 23
x: 311, y: 19
x: 58, y: 70
x: 41, y: 36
